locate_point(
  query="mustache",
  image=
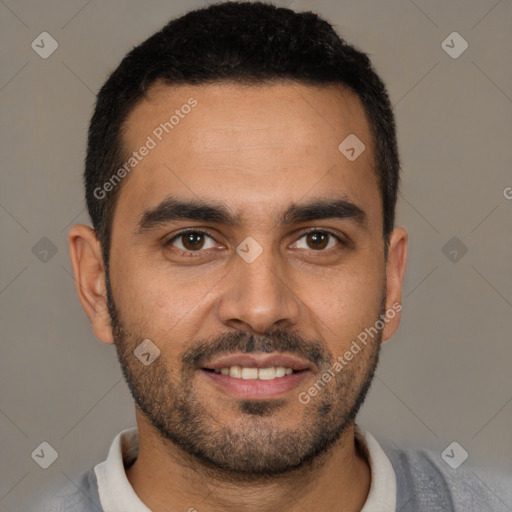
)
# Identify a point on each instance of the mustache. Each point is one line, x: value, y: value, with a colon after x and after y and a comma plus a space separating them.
x: 275, y: 341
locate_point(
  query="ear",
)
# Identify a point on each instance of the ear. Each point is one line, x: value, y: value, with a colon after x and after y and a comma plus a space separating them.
x: 89, y: 271
x: 395, y: 271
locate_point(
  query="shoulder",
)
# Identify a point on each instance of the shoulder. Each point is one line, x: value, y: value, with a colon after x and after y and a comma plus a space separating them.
x: 426, y: 482
x: 80, y: 495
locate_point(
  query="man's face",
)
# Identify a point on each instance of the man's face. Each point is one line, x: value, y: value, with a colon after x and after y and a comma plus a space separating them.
x: 210, y: 300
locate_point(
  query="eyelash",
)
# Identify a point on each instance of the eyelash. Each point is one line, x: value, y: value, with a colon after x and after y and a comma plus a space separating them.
x: 191, y: 254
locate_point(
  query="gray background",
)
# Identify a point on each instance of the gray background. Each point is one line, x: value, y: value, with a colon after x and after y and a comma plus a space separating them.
x: 444, y: 377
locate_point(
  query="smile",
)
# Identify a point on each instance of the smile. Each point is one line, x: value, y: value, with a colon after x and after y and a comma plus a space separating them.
x: 247, y: 373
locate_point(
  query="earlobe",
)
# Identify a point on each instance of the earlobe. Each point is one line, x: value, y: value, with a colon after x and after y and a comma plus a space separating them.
x: 89, y: 272
x: 395, y: 271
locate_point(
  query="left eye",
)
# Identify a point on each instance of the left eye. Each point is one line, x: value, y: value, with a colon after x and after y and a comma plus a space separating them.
x: 319, y: 240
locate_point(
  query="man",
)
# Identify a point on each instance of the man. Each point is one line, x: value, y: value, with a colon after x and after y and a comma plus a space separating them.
x: 241, y: 177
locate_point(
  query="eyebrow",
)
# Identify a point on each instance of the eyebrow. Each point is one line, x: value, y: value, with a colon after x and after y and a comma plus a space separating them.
x: 174, y: 209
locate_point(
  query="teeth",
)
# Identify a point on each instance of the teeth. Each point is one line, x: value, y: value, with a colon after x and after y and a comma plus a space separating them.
x: 235, y: 371
x: 239, y: 372
x: 280, y: 371
x: 249, y: 373
x: 267, y: 373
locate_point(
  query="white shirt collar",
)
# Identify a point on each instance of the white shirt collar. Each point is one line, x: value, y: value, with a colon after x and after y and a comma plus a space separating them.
x: 382, y: 495
x: 117, y: 494
x: 114, y: 488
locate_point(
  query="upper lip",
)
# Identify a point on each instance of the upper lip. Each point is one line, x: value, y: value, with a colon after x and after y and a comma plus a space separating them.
x: 258, y: 361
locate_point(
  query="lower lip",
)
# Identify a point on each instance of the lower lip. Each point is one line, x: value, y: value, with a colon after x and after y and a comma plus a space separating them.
x: 256, y: 388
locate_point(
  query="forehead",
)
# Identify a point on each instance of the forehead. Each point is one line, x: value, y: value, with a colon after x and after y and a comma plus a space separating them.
x: 246, y: 145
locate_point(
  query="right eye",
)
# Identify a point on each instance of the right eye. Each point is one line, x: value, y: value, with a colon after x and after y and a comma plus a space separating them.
x: 189, y: 241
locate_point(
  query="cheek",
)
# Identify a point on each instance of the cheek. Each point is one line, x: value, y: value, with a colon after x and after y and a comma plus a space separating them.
x: 159, y: 303
x: 346, y: 303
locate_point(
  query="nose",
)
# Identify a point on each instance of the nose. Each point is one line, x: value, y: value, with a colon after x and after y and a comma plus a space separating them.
x: 259, y: 295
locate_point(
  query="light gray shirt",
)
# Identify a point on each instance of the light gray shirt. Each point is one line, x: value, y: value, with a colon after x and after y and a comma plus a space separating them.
x: 401, y: 481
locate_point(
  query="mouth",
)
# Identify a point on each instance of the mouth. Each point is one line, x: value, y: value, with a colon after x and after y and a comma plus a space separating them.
x: 253, y: 376
x: 248, y: 373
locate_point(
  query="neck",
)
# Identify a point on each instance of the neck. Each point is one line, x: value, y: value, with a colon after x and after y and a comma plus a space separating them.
x: 165, y: 479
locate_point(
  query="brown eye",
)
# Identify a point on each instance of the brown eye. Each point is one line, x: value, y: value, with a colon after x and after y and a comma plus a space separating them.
x: 191, y: 241
x: 319, y: 240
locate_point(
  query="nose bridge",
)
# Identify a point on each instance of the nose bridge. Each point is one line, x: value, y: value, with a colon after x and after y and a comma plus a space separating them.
x: 256, y: 291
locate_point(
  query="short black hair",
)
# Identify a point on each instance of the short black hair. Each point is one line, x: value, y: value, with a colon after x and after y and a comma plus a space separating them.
x: 241, y: 42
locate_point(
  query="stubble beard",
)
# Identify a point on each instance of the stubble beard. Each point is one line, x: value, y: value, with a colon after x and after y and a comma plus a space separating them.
x: 255, y: 446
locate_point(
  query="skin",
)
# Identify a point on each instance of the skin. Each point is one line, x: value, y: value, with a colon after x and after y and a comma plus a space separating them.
x: 257, y: 149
